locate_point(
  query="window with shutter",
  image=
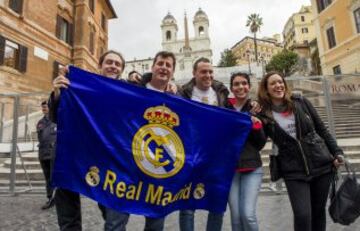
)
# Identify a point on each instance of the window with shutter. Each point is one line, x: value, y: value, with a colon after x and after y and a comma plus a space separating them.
x: 103, y: 21
x: 16, y: 5
x: 23, y: 59
x: 56, y: 68
x: 2, y: 49
x: 11, y: 54
x: 91, y: 41
x: 92, y: 5
x: 357, y: 19
x: 330, y: 33
x: 64, y: 30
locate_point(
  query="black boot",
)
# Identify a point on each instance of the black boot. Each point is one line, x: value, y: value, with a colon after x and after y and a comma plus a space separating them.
x: 50, y: 203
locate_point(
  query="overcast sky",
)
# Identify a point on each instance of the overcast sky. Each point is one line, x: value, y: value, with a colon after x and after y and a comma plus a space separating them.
x: 137, y: 33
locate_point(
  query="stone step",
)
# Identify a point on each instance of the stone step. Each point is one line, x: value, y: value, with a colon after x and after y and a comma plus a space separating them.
x: 344, y: 134
x: 24, y: 189
x: 347, y: 135
x: 346, y: 124
x: 348, y: 154
x: 339, y: 113
x: 351, y: 145
x: 27, y: 164
x: 34, y: 174
x: 21, y: 183
x: 355, y: 164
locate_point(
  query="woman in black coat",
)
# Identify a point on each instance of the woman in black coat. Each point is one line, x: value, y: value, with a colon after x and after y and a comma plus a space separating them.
x: 307, y: 151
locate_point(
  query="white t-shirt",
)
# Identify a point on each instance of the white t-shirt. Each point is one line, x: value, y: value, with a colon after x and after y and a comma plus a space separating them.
x: 238, y: 108
x: 208, y: 97
x: 149, y: 86
x: 286, y: 122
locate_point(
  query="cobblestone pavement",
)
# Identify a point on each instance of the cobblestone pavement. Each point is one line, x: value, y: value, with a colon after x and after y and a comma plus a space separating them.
x: 23, y: 213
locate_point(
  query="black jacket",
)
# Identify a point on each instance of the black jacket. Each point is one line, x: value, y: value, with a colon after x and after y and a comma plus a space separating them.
x: 250, y: 156
x: 46, y: 132
x: 312, y: 152
x: 221, y: 91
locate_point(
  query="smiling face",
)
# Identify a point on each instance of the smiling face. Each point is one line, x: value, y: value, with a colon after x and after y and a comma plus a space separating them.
x: 240, y: 88
x: 163, y: 69
x: 112, y: 66
x: 276, y: 88
x: 204, y: 75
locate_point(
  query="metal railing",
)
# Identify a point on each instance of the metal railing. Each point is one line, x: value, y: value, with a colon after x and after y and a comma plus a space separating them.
x: 31, y: 100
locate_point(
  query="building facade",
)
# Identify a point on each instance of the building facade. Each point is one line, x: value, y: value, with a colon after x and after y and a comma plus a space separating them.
x: 36, y: 38
x: 299, y: 31
x: 186, y: 50
x: 337, y: 24
x: 267, y: 47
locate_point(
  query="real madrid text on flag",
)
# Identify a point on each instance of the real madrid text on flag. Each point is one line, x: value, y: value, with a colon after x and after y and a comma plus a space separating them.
x: 140, y: 151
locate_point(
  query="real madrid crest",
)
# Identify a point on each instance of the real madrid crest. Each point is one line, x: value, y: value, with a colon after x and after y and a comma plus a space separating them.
x: 92, y: 177
x: 157, y: 149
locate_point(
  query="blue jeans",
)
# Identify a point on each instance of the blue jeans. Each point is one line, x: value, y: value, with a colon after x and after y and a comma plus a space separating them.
x: 186, y: 220
x: 117, y: 221
x: 113, y: 220
x: 243, y: 196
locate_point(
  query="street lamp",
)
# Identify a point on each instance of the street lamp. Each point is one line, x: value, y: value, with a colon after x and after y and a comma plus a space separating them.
x: 248, y: 57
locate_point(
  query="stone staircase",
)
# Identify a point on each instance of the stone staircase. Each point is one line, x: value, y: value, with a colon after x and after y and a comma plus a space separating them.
x: 346, y: 120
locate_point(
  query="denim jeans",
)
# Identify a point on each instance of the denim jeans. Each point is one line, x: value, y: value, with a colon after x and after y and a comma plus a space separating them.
x: 114, y: 220
x: 243, y: 196
x: 117, y: 221
x: 186, y: 220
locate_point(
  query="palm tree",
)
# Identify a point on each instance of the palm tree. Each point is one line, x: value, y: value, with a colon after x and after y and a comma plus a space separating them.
x: 254, y: 21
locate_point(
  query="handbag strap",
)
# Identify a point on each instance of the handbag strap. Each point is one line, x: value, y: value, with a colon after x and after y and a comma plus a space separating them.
x: 336, y: 180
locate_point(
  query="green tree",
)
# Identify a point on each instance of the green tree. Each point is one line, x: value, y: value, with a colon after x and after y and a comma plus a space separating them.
x: 227, y: 59
x: 254, y: 22
x: 283, y: 62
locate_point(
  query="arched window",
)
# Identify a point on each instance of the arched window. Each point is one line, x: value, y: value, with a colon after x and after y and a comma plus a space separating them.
x: 168, y: 35
x: 201, y: 30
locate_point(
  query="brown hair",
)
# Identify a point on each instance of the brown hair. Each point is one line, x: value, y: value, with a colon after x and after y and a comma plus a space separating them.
x: 200, y: 60
x: 165, y: 54
x: 241, y: 74
x: 102, y: 58
x: 264, y: 97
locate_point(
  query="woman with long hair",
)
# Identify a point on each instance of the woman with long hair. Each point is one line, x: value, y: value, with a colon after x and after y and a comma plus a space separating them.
x: 248, y: 176
x: 307, y: 151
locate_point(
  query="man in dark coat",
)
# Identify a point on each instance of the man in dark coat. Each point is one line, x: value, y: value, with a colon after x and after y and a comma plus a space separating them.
x: 46, y: 131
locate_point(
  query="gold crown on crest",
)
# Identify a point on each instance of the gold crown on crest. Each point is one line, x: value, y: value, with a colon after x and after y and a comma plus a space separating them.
x: 161, y: 115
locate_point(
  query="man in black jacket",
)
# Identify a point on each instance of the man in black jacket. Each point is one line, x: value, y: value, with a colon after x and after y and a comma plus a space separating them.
x: 203, y: 88
x: 46, y: 132
x: 68, y: 206
x: 111, y: 65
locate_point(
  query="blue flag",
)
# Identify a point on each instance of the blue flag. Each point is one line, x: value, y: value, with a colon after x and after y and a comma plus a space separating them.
x: 144, y: 152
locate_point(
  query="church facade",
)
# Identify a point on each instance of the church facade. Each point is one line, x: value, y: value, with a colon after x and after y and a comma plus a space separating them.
x: 186, y: 49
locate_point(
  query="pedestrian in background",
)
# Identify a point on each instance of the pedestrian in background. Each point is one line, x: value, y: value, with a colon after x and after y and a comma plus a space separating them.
x: 134, y: 77
x: 46, y: 132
